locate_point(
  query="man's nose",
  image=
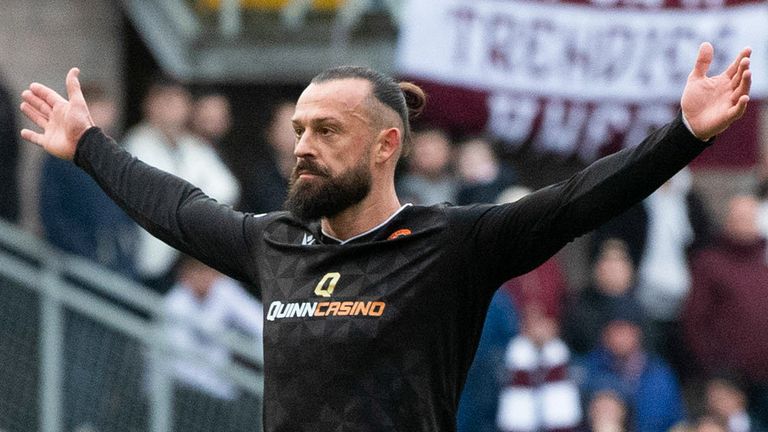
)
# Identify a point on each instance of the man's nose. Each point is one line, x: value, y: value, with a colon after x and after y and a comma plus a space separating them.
x: 304, y: 146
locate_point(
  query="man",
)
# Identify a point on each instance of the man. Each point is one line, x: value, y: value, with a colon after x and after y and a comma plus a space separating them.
x: 374, y: 309
x: 9, y: 157
x: 724, y: 320
x: 163, y: 140
x: 265, y: 178
x: 641, y: 378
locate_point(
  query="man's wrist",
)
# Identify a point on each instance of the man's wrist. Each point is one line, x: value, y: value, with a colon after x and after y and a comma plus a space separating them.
x: 688, y: 126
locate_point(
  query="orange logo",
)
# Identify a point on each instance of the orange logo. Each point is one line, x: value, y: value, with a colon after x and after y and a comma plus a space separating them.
x: 400, y: 233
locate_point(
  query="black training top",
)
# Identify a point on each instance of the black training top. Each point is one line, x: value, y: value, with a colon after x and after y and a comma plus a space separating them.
x: 377, y: 333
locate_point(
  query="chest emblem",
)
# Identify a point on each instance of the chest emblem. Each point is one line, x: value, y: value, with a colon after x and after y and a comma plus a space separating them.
x: 327, y: 284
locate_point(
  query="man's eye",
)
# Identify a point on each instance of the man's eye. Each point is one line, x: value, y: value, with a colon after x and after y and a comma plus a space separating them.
x: 326, y: 131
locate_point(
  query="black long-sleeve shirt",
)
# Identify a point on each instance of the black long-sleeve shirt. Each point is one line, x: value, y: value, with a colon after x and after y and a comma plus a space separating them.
x: 377, y: 333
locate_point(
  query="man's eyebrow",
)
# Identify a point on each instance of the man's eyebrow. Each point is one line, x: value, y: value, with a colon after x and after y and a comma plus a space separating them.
x: 320, y: 120
x: 325, y: 120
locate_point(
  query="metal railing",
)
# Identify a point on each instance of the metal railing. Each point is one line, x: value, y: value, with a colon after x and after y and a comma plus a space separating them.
x: 68, y: 284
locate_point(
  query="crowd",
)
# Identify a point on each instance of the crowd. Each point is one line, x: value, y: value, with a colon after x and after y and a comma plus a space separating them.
x: 670, y: 334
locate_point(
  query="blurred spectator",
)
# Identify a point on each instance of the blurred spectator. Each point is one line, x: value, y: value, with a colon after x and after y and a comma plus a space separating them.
x: 9, y: 157
x: 607, y: 412
x: 429, y: 178
x: 545, y: 285
x: 709, y: 423
x: 645, y: 381
x: 483, y: 175
x: 725, y: 320
x: 478, y: 409
x: 266, y: 184
x: 538, y: 394
x: 726, y: 400
x: 77, y: 216
x: 201, y: 307
x: 479, y: 400
x: 211, y: 118
x: 660, y: 233
x: 163, y: 141
x: 590, y: 309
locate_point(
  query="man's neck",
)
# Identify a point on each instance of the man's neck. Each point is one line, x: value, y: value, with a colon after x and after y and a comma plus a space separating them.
x: 362, y: 217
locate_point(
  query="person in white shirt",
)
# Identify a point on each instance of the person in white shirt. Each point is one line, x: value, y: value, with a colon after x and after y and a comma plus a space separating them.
x: 163, y: 140
x: 199, y: 310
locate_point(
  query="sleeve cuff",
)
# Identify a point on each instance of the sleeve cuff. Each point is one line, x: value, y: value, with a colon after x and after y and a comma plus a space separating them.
x: 688, y: 126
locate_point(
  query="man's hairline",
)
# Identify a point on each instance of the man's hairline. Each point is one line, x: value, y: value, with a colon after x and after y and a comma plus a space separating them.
x: 372, y: 104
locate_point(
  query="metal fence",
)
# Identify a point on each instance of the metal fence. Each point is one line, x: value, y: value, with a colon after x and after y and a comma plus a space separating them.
x: 77, y: 345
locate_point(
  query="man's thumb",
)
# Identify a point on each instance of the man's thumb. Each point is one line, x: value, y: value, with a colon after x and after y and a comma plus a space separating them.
x: 703, y: 61
x: 73, y: 85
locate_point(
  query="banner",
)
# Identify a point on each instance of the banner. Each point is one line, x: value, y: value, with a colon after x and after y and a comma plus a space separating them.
x: 574, y: 77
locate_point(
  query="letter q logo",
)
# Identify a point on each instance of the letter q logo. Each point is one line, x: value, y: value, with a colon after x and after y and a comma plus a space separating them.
x: 327, y: 284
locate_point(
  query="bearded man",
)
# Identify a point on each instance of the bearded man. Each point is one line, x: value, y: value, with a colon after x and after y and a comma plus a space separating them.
x: 374, y: 308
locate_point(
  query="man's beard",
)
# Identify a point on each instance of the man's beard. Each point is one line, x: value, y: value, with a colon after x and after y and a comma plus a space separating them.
x: 326, y: 195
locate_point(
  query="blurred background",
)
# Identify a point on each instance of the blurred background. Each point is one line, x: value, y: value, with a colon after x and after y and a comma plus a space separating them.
x: 655, y: 321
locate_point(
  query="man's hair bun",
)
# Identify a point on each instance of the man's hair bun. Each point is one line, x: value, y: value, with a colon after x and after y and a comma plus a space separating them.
x: 415, y: 99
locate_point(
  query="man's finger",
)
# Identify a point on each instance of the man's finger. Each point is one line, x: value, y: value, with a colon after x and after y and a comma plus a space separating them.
x: 46, y: 94
x: 743, y: 65
x: 34, y: 115
x: 703, y: 61
x: 31, y: 136
x: 733, y: 67
x: 744, y: 86
x: 40, y: 105
x: 736, y: 111
x: 74, y: 92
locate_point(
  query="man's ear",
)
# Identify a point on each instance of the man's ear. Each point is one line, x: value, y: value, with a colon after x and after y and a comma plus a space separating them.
x: 388, y: 144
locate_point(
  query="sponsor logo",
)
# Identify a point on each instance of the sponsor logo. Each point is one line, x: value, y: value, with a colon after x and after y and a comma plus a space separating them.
x: 327, y: 284
x: 308, y: 239
x: 279, y: 310
x: 399, y: 233
x: 324, y: 288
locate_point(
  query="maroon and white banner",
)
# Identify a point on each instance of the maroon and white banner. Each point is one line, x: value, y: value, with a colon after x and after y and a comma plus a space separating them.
x: 574, y: 77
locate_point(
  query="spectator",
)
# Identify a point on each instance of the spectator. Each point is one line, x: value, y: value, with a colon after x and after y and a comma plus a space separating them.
x: 644, y: 380
x: 9, y: 157
x: 200, y: 308
x: 163, y: 140
x: 267, y: 178
x: 589, y: 310
x: 709, y: 423
x: 483, y: 176
x: 538, y: 394
x: 211, y: 118
x: 726, y: 399
x: 725, y: 320
x: 660, y: 233
x: 429, y: 178
x: 479, y: 400
x: 545, y: 285
x: 77, y: 216
x: 607, y: 412
x: 478, y: 409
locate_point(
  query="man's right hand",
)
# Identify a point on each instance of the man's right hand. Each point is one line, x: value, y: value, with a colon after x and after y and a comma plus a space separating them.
x: 63, y: 121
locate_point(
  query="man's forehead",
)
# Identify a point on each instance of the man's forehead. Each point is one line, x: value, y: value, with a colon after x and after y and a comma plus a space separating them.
x: 327, y: 98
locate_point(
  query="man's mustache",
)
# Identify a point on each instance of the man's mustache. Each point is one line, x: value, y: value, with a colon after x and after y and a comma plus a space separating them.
x: 309, y: 166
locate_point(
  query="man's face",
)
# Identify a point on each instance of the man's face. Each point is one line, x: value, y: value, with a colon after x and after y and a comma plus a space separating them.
x: 622, y: 338
x: 334, y: 136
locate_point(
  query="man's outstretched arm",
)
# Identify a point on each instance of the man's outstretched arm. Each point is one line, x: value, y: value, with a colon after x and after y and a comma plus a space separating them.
x: 168, y: 207
x: 515, y: 238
